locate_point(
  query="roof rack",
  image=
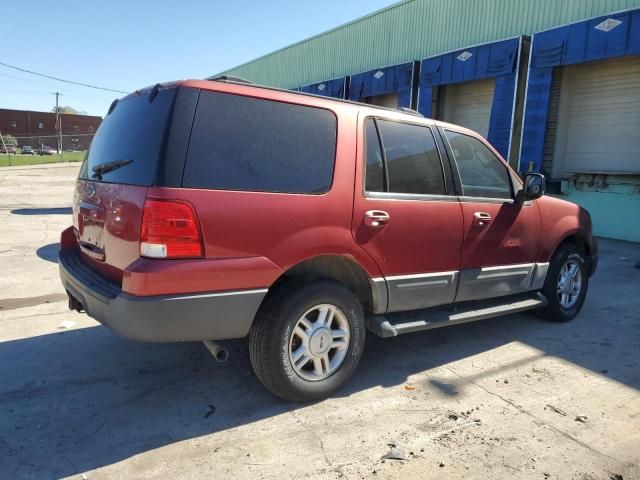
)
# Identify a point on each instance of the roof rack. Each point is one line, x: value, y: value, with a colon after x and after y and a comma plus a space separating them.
x: 410, y: 111
x: 229, y: 78
x: 232, y: 79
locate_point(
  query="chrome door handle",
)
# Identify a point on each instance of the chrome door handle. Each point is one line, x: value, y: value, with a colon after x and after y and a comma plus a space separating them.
x: 376, y: 218
x: 481, y: 219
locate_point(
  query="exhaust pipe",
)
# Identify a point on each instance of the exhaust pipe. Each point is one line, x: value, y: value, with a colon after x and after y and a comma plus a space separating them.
x: 220, y: 353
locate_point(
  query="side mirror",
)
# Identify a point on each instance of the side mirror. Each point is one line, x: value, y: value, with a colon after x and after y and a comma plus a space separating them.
x: 534, y: 187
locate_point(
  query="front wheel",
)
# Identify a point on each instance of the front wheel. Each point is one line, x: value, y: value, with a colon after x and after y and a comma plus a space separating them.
x: 566, y: 283
x: 307, y: 340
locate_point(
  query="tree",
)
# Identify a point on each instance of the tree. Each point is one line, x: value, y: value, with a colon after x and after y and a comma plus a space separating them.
x: 69, y: 110
x: 8, y: 140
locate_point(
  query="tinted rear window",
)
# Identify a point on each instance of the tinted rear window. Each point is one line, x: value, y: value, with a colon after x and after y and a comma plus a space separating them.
x: 413, y: 162
x: 243, y: 143
x: 134, y: 133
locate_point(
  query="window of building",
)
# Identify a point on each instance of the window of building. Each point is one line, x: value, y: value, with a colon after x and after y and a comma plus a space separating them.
x: 14, y: 124
x: 90, y: 128
x: 482, y: 174
x: 242, y: 143
x: 40, y: 125
x: 76, y: 128
x: 412, y: 158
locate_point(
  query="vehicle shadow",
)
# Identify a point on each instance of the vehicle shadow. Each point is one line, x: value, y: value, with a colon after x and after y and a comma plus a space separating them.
x: 42, y: 211
x: 49, y: 252
x: 81, y: 399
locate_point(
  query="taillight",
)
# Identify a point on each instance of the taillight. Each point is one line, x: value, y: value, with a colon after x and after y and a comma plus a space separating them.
x: 170, y: 229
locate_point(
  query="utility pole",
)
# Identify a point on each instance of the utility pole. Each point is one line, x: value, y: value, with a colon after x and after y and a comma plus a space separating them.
x: 58, y: 122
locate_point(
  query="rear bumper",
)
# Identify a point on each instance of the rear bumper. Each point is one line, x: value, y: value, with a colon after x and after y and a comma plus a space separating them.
x: 162, y: 318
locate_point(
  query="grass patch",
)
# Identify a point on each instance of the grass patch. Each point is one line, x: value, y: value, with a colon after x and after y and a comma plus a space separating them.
x: 37, y: 159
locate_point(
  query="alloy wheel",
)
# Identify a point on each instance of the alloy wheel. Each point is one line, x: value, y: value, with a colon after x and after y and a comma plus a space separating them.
x: 319, y: 342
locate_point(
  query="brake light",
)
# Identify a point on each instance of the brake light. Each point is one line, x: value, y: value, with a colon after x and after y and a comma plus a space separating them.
x: 170, y: 229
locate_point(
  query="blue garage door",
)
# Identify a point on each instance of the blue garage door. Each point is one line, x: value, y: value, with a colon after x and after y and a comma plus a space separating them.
x: 389, y: 86
x: 335, y: 88
x: 497, y: 60
x: 600, y: 38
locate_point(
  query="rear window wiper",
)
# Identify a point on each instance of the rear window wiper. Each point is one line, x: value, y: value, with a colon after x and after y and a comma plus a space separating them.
x: 107, y: 167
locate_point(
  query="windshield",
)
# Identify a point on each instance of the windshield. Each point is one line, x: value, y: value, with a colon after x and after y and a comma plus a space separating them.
x: 128, y: 144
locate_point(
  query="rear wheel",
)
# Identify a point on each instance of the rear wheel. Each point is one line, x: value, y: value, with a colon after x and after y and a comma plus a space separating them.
x: 566, y: 283
x: 307, y: 340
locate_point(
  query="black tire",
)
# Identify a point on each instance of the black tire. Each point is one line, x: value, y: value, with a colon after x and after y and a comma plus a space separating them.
x: 554, y: 311
x: 272, y: 329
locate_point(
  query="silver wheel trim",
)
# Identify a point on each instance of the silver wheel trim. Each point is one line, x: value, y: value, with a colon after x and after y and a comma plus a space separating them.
x: 569, y: 283
x: 319, y: 342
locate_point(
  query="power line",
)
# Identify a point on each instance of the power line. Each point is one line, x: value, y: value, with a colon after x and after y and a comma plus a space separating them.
x: 18, y: 137
x: 60, y: 79
x: 42, y: 92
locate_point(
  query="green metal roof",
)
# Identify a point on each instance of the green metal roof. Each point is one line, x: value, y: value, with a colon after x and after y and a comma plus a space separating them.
x: 413, y: 30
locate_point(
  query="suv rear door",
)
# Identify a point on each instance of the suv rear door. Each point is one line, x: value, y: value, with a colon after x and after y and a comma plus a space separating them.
x: 406, y: 214
x: 501, y: 236
x: 111, y: 188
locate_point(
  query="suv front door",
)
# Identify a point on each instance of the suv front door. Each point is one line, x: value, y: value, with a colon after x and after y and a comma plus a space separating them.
x: 501, y: 235
x: 406, y: 215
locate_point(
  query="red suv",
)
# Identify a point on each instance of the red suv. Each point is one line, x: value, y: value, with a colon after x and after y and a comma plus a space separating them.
x: 213, y: 210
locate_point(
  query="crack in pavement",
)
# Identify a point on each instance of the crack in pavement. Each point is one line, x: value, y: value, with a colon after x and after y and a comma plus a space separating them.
x: 532, y: 415
x: 308, y: 429
x: 88, y: 436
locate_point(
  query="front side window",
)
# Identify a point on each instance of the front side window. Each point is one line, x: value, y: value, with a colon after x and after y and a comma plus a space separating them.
x: 413, y: 162
x: 482, y: 174
x: 250, y: 144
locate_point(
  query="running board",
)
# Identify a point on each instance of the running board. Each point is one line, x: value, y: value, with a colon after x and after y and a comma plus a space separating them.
x: 394, y: 324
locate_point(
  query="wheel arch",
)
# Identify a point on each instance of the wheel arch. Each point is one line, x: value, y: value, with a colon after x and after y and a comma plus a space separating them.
x: 343, y: 269
x: 577, y: 238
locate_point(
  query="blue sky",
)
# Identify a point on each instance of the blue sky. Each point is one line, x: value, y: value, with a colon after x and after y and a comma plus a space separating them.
x: 126, y: 45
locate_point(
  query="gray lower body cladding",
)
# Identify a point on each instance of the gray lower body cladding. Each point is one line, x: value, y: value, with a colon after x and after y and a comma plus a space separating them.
x: 424, y: 290
x: 164, y: 318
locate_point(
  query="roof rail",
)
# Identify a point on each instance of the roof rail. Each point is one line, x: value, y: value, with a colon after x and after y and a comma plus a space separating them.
x: 229, y: 78
x: 410, y: 111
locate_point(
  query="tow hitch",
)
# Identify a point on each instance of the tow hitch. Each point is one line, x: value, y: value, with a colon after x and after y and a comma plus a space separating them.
x: 75, y: 304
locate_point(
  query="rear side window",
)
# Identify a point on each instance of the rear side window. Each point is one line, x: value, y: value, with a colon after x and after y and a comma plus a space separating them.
x: 374, y: 171
x: 128, y: 144
x: 243, y: 143
x: 482, y: 174
x: 413, y: 162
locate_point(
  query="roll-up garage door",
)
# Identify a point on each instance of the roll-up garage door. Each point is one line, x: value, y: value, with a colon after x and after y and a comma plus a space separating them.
x: 599, y: 118
x: 389, y: 100
x: 469, y: 104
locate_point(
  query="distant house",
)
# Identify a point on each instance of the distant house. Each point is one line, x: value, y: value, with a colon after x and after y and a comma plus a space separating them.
x: 39, y: 128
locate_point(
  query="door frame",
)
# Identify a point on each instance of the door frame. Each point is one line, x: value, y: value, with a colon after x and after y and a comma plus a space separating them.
x: 477, y: 283
x: 414, y: 290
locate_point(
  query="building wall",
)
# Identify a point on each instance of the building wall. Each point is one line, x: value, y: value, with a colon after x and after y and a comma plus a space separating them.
x: 552, y: 122
x: 417, y: 29
x: 413, y: 30
x: 39, y: 128
x: 613, y: 202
